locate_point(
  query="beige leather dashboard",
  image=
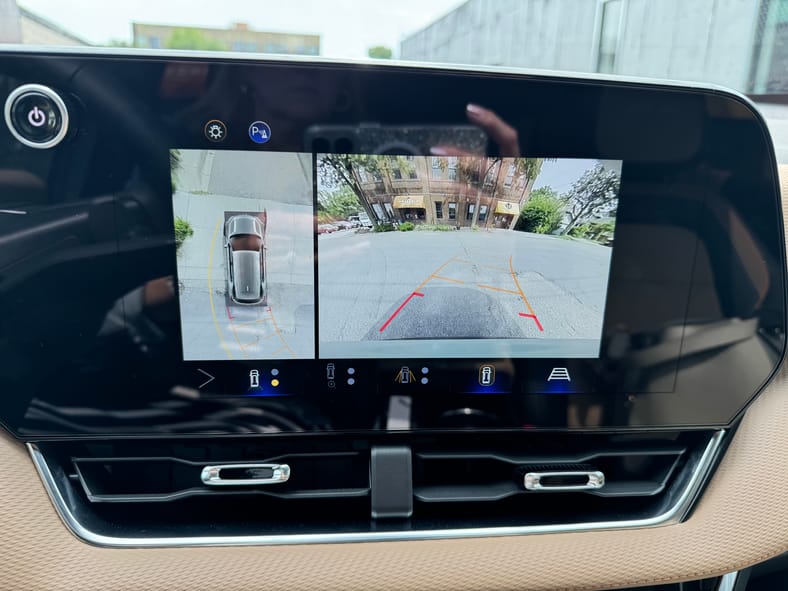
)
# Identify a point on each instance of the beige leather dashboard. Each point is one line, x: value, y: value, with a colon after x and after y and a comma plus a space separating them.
x: 741, y: 519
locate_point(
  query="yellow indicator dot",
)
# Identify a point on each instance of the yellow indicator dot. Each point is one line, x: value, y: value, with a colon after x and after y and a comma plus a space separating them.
x: 274, y: 383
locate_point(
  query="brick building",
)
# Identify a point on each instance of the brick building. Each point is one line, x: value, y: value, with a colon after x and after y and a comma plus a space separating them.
x: 459, y: 192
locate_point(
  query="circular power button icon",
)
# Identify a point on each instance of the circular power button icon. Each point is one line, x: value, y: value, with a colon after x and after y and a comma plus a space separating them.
x: 36, y: 116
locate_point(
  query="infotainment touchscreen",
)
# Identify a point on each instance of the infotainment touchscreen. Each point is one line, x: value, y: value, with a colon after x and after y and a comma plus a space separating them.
x: 469, y: 256
x: 232, y: 246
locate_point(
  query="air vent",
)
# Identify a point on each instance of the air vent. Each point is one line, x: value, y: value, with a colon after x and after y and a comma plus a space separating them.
x: 314, y: 488
x: 489, y: 476
x: 163, y: 479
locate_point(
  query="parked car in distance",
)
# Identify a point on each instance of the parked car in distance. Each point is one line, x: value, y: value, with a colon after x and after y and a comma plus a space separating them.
x: 343, y: 225
x: 326, y: 228
x: 361, y: 220
x: 244, y: 242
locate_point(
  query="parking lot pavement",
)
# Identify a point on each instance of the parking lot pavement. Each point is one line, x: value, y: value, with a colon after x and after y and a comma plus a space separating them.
x: 461, y: 286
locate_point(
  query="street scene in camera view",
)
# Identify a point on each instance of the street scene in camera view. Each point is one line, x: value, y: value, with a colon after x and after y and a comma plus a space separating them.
x: 245, y: 248
x: 463, y: 256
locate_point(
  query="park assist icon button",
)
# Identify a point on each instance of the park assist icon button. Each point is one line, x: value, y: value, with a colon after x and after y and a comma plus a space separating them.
x: 260, y: 132
x: 36, y: 116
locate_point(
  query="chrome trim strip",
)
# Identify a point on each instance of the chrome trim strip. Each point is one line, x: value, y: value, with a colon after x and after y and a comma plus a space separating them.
x: 728, y: 582
x: 674, y: 514
x: 594, y: 480
x: 212, y: 475
x: 51, y: 95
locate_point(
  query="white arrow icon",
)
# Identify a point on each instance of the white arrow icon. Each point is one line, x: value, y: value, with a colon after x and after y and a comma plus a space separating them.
x: 208, y: 381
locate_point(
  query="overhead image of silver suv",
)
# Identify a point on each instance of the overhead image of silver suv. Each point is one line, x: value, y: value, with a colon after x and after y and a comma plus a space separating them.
x: 244, y: 243
x: 244, y: 250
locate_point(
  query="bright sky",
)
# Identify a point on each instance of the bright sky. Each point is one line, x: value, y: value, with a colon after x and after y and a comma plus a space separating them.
x: 561, y: 174
x: 347, y: 27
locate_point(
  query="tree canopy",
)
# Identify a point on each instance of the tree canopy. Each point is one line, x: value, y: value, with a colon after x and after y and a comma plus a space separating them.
x: 380, y: 52
x: 591, y: 196
x: 339, y: 204
x: 190, y: 38
x: 336, y: 170
x: 542, y: 213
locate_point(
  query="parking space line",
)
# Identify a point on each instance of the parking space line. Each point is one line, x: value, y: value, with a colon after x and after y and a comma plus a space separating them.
x: 235, y: 333
x: 210, y: 291
x: 446, y: 279
x: 431, y: 275
x: 532, y: 314
x: 279, y: 333
x: 497, y: 289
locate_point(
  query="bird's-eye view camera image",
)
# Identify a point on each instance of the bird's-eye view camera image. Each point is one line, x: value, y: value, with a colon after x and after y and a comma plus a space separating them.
x: 470, y: 256
x: 245, y: 248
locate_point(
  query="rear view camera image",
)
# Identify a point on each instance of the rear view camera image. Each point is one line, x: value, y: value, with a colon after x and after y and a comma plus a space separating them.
x: 244, y: 239
x: 463, y: 256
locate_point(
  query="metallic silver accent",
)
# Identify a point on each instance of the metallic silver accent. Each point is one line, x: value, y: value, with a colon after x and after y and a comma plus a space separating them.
x: 594, y: 480
x: 728, y: 581
x: 51, y: 95
x: 674, y: 514
x: 212, y: 475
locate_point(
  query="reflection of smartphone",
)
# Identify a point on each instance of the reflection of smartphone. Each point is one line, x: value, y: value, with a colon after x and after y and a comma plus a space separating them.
x: 416, y: 140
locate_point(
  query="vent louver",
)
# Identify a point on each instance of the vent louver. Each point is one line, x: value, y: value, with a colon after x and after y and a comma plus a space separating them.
x: 388, y: 486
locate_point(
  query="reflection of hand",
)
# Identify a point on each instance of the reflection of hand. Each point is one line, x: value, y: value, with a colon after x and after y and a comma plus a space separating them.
x: 158, y: 291
x: 501, y: 133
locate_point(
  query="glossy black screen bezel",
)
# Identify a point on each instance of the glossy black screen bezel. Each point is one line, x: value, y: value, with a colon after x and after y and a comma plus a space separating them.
x: 375, y: 93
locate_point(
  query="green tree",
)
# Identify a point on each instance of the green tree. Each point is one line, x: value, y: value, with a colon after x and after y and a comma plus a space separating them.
x: 591, y: 196
x: 380, y: 52
x: 601, y: 231
x: 190, y: 38
x: 339, y: 204
x: 345, y: 170
x: 542, y: 213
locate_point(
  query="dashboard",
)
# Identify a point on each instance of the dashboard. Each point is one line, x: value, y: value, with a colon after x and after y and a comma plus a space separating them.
x: 437, y: 309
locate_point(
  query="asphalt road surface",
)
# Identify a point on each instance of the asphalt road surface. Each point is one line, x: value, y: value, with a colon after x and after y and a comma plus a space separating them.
x: 216, y: 328
x: 436, y: 294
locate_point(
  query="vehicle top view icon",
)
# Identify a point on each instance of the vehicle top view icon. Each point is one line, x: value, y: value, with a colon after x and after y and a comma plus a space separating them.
x: 245, y: 252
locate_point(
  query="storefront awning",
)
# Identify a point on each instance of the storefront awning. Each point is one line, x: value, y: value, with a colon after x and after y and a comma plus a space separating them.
x: 408, y: 201
x: 507, y: 207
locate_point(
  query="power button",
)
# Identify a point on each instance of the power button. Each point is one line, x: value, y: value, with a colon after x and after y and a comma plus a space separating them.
x: 36, y: 116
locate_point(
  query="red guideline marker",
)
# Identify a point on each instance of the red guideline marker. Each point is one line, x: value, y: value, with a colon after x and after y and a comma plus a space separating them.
x: 229, y: 316
x: 398, y: 310
x: 535, y: 319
